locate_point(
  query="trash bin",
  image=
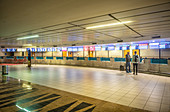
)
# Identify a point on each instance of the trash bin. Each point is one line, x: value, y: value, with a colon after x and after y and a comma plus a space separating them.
x: 121, y: 68
x: 4, y: 69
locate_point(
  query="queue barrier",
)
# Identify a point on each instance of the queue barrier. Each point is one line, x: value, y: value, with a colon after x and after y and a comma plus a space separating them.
x: 31, y: 57
x: 92, y: 59
x: 119, y: 59
x: 104, y: 59
x: 19, y: 57
x: 49, y: 57
x: 80, y: 58
x: 159, y: 61
x: 39, y: 57
x: 9, y: 57
x: 59, y: 58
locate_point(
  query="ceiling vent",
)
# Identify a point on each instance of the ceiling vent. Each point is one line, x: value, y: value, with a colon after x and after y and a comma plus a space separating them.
x: 94, y: 43
x: 73, y: 44
x: 156, y: 37
x: 120, y: 41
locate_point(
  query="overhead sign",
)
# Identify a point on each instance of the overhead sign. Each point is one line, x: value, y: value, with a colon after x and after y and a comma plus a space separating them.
x: 110, y: 47
x: 64, y: 48
x: 154, y: 45
x: 143, y: 46
x: 97, y: 48
x: 75, y: 49
x: 92, y: 48
x: 80, y: 48
x: 70, y: 49
x: 86, y: 48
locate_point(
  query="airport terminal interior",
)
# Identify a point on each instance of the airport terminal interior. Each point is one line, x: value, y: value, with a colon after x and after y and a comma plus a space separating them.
x: 84, y: 56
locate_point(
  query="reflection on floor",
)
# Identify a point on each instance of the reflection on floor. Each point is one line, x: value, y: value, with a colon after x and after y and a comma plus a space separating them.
x: 143, y: 91
x: 22, y: 96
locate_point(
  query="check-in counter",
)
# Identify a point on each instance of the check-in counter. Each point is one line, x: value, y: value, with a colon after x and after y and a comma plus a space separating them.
x: 145, y: 65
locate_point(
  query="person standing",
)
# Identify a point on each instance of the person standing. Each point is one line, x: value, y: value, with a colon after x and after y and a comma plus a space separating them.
x: 135, y: 61
x: 128, y: 62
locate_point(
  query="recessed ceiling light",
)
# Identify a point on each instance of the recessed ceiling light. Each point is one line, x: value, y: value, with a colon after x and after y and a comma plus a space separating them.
x: 106, y: 25
x: 28, y: 37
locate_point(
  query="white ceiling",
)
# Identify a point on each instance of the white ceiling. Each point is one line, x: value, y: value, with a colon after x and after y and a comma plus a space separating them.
x: 62, y: 22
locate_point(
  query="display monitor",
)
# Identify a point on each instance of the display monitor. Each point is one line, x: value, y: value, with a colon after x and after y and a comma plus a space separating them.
x: 39, y: 49
x: 97, y: 48
x: 86, y: 48
x: 125, y: 47
x: 59, y: 49
x: 134, y: 46
x: 49, y: 49
x: 8, y: 50
x: 111, y: 47
x: 154, y: 45
x: 43, y: 49
x: 33, y: 49
x: 75, y: 49
x: 143, y: 46
x: 64, y: 48
x: 164, y: 45
x: 92, y: 48
x: 118, y: 48
x: 3, y: 50
x: 70, y: 49
x: 80, y: 48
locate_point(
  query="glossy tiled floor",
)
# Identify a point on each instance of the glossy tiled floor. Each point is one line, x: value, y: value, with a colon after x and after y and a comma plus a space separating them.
x: 148, y: 92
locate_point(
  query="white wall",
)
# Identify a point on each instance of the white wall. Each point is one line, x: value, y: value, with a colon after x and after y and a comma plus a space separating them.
x: 165, y: 53
x: 78, y: 54
x: 18, y: 54
x: 48, y: 54
x: 101, y: 53
x: 57, y: 54
x: 149, y: 53
x: 115, y: 53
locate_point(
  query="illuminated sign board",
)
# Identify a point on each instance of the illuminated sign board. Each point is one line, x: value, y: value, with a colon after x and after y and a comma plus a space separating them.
x: 118, y: 48
x: 75, y: 49
x: 8, y: 50
x: 92, y: 48
x: 39, y: 49
x: 70, y: 49
x: 53, y: 49
x: 86, y: 48
x: 33, y: 49
x: 43, y: 49
x: 64, y: 48
x: 143, y: 46
x: 125, y: 47
x: 164, y: 45
x: 154, y: 45
x: 111, y: 47
x: 13, y: 50
x: 134, y: 46
x: 80, y: 48
x: 49, y: 49
x: 21, y: 49
x: 104, y: 48
x: 3, y: 50
x: 97, y: 48
x: 59, y: 49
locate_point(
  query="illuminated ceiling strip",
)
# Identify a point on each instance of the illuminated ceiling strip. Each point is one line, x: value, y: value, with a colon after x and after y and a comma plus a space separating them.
x: 106, y: 25
x: 28, y: 37
x: 23, y: 108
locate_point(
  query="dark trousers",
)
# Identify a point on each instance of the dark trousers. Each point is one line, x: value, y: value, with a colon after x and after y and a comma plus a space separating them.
x: 135, y: 68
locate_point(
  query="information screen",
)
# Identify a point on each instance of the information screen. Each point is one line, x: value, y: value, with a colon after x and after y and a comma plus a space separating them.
x: 59, y: 49
x: 164, y: 45
x: 154, y: 45
x: 134, y: 46
x: 49, y: 49
x: 143, y: 46
x: 64, y: 48
x: 33, y: 49
x: 97, y: 48
x: 92, y: 48
x: 75, y: 49
x: 69, y: 49
x: 8, y: 50
x: 43, y: 49
x: 111, y: 47
x: 3, y: 50
x: 80, y: 48
x: 118, y: 48
x: 39, y: 49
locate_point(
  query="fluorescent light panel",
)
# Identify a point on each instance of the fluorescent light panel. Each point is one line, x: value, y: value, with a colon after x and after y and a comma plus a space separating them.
x: 106, y: 25
x: 28, y: 37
